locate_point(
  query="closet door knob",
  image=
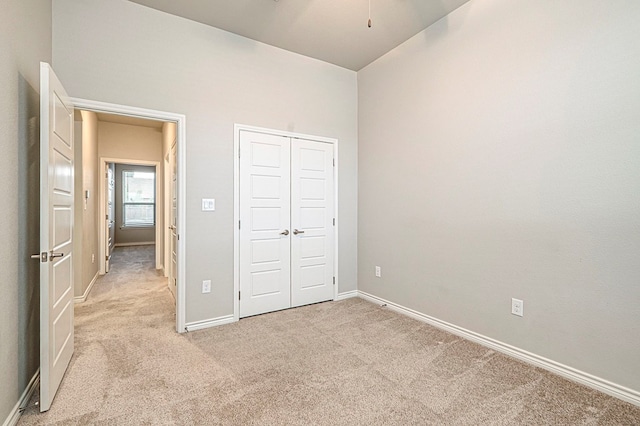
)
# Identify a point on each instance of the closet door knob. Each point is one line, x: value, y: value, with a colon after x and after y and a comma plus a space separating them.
x: 285, y: 232
x: 296, y: 232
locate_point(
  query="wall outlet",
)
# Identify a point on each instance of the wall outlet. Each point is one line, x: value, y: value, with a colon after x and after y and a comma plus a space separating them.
x: 93, y: 258
x: 206, y: 286
x: 378, y: 272
x: 517, y: 307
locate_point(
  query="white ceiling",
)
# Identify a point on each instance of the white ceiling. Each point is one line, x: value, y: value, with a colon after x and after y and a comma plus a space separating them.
x: 334, y: 31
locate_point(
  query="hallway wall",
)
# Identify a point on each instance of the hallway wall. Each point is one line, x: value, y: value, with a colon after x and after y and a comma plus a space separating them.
x: 88, y: 178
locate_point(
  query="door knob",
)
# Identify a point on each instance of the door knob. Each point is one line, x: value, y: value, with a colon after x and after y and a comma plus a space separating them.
x: 296, y: 232
x: 285, y: 232
x: 53, y: 255
x: 42, y: 257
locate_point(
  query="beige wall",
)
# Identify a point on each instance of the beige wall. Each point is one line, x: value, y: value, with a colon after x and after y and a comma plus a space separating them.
x: 168, y: 138
x: 124, y: 141
x: 133, y: 55
x: 129, y: 142
x: 87, y: 215
x: 25, y: 40
x: 499, y: 158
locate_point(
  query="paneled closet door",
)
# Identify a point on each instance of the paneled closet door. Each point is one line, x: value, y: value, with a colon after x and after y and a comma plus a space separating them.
x: 312, y: 213
x: 265, y: 252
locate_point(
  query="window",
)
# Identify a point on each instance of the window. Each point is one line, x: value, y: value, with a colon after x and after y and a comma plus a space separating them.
x: 138, y: 198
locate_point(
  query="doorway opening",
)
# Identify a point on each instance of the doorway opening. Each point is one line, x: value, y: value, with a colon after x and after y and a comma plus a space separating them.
x: 132, y: 202
x: 133, y: 177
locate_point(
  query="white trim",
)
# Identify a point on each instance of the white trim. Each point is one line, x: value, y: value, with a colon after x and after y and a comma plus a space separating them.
x: 236, y: 220
x: 347, y: 295
x: 181, y: 141
x: 213, y: 322
x: 237, y: 128
x: 144, y: 243
x: 83, y: 298
x: 336, y: 233
x: 16, y: 412
x: 565, y: 371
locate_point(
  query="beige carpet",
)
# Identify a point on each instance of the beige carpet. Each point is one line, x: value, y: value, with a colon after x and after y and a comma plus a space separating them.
x: 335, y: 363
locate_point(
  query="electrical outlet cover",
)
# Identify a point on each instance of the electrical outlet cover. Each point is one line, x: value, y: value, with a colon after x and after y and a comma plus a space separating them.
x: 517, y: 307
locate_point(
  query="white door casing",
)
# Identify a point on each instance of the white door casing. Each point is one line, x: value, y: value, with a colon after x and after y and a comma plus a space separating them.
x: 181, y: 162
x: 264, y: 223
x: 173, y: 222
x: 312, y: 209
x: 56, y: 234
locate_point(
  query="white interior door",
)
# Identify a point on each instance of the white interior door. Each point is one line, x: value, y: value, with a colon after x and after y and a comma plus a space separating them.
x: 173, y: 222
x: 312, y: 213
x: 265, y: 254
x: 109, y: 216
x: 56, y: 236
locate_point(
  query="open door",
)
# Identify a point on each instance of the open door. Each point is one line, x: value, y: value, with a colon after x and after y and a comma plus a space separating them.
x: 109, y: 239
x: 56, y: 234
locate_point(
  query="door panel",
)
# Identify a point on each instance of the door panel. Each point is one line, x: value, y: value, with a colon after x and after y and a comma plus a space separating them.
x: 110, y: 227
x: 265, y: 258
x: 56, y: 236
x: 312, y: 210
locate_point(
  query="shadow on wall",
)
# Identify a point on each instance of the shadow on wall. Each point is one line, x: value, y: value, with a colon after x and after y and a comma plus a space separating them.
x: 28, y: 231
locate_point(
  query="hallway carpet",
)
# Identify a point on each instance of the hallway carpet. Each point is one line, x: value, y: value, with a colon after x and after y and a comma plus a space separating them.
x: 336, y: 363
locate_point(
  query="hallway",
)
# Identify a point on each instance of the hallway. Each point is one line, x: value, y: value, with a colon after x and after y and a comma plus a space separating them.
x: 132, y: 275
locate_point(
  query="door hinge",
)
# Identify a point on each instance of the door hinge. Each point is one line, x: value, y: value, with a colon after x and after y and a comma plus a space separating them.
x: 334, y: 280
x: 239, y: 225
x: 334, y: 221
x: 238, y: 295
x: 334, y: 162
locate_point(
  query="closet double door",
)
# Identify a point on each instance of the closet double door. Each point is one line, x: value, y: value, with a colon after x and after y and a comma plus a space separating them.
x: 286, y: 222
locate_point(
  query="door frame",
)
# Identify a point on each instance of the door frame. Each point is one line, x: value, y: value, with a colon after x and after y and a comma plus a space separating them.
x: 102, y: 162
x: 236, y: 202
x: 181, y: 140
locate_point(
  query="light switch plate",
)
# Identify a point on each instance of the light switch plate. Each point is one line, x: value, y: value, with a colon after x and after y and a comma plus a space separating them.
x: 208, y: 204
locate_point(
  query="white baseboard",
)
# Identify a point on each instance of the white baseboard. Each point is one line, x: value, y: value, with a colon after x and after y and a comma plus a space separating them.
x: 347, y: 295
x: 597, y: 383
x: 213, y: 322
x: 80, y: 299
x: 144, y: 243
x: 16, y: 412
